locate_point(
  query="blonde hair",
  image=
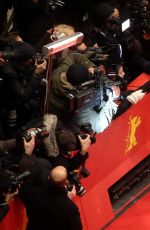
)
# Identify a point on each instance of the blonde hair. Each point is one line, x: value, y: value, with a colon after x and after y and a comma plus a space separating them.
x: 63, y: 28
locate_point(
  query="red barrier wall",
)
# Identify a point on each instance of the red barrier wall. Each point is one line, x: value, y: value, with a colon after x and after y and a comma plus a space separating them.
x: 118, y: 149
x: 16, y: 218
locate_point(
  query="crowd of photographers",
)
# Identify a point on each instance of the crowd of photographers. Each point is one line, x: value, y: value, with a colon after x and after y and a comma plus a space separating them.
x: 46, y: 128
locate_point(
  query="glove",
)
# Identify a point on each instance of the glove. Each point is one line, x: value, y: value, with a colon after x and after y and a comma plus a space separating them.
x: 136, y: 96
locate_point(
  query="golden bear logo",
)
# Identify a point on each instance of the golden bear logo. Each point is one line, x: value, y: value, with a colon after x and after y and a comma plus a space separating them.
x: 134, y: 122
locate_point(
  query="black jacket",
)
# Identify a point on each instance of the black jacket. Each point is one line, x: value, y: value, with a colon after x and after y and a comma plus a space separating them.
x: 69, y: 163
x: 20, y: 87
x: 39, y: 168
x: 50, y: 208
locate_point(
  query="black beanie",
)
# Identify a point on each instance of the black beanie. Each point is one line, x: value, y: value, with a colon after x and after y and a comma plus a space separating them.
x: 100, y: 13
x: 23, y: 51
x: 77, y: 73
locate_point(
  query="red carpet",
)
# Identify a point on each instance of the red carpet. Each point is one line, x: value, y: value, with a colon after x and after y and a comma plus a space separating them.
x: 136, y: 217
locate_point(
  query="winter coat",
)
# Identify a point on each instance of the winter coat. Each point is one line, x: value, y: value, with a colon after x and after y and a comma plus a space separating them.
x: 49, y: 207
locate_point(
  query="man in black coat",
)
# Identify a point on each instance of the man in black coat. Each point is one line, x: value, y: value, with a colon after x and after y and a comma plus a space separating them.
x: 49, y: 207
x: 22, y: 82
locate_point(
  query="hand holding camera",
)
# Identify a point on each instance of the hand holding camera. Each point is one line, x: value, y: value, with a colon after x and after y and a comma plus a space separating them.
x: 74, y: 181
x: 40, y: 68
x: 85, y: 142
x: 30, y: 138
x: 29, y: 146
x: 72, y: 193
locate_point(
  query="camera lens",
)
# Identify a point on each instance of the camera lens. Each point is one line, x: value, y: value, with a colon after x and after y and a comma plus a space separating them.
x: 80, y: 190
x: 74, y: 178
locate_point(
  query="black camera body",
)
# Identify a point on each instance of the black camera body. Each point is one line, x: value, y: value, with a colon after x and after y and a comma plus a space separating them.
x: 74, y: 179
x: 92, y: 137
x: 15, y: 181
x: 27, y: 134
x: 76, y: 175
x: 10, y: 181
x: 85, y: 128
x: 37, y: 132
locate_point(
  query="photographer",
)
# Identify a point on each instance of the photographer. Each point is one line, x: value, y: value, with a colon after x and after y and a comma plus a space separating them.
x: 38, y: 166
x: 67, y: 141
x: 48, y: 206
x: 54, y: 147
x: 22, y: 79
x: 138, y: 59
x: 103, y: 28
x: 74, y: 163
x: 13, y: 172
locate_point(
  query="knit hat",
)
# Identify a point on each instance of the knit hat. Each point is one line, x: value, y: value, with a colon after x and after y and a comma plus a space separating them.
x: 23, y: 51
x: 101, y: 12
x: 77, y: 73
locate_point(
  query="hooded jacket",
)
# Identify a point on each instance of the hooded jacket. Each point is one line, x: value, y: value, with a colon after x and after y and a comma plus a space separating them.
x: 60, y: 86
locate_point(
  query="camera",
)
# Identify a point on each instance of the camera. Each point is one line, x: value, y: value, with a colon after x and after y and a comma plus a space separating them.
x: 85, y: 128
x: 93, y: 93
x: 15, y: 181
x: 74, y: 179
x: 8, y: 185
x: 37, y: 132
x: 10, y: 181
